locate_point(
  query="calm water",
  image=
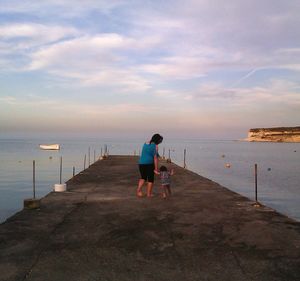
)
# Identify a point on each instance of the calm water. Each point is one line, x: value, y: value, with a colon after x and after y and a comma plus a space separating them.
x: 278, y: 167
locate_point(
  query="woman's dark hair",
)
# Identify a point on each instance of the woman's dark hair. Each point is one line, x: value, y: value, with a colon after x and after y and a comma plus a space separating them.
x: 163, y: 169
x: 156, y: 138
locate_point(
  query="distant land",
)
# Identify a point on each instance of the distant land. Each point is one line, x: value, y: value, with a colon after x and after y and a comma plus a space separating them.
x: 278, y: 134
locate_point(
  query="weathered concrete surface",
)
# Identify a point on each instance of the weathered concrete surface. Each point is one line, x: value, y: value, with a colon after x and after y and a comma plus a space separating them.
x: 101, y: 231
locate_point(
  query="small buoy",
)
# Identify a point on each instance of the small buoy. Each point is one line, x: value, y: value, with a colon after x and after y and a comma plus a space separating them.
x: 227, y: 165
x: 20, y: 161
x: 269, y: 169
x: 50, y: 157
x: 223, y: 156
x: 60, y: 187
x: 295, y: 150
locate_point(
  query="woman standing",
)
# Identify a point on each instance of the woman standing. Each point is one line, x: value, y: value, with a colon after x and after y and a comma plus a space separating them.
x: 148, y: 163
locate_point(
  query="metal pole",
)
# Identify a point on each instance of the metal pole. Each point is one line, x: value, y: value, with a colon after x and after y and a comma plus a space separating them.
x: 163, y: 153
x: 73, y: 171
x: 94, y: 155
x: 169, y: 153
x: 84, y: 162
x: 101, y: 152
x: 33, y: 179
x: 89, y: 156
x: 255, y: 173
x: 60, y: 170
x: 184, y: 155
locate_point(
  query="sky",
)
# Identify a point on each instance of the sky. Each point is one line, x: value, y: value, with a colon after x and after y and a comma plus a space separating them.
x: 188, y: 69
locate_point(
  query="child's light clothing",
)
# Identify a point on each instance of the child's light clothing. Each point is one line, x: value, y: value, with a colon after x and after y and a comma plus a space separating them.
x: 165, y: 178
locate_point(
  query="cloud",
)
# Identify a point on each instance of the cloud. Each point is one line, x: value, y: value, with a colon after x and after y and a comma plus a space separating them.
x: 92, y: 60
x: 167, y: 94
x: 8, y: 100
x: 176, y: 67
x: 199, y: 64
x: 19, y: 41
x: 28, y: 35
x: 27, y: 101
x: 185, y: 42
x: 52, y: 33
x: 88, y: 50
x: 58, y: 8
x: 198, y: 57
x: 234, y: 39
x: 243, y: 24
x: 87, y: 109
x: 72, y: 114
x: 276, y: 93
x: 117, y: 80
x: 5, y: 49
x: 94, y: 49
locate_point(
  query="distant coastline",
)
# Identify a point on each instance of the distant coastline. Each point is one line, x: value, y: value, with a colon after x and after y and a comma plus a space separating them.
x: 277, y: 134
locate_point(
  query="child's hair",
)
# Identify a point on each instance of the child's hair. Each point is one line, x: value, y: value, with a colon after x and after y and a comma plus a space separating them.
x: 163, y: 169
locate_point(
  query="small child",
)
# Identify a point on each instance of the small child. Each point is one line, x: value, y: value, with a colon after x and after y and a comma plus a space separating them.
x: 165, y: 180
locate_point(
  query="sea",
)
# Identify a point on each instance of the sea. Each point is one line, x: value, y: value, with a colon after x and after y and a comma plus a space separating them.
x: 228, y: 162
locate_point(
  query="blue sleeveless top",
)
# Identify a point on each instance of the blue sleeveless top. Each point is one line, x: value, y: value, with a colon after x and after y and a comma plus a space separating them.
x: 148, y: 152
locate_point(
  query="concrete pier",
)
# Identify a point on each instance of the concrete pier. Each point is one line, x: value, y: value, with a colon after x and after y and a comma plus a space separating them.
x: 99, y: 230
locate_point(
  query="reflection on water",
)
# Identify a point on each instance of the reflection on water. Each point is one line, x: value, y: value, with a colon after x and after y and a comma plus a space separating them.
x: 230, y: 163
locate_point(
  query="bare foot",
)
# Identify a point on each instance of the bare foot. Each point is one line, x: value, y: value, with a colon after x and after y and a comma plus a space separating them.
x: 139, y: 194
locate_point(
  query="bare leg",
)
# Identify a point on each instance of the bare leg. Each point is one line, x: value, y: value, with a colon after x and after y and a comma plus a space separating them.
x: 164, y: 194
x: 149, y: 189
x: 139, y: 192
x: 169, y: 189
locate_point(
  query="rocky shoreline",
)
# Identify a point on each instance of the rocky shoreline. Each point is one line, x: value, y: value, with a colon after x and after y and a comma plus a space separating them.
x: 278, y: 134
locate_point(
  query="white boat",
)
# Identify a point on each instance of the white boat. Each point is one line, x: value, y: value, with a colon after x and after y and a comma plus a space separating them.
x: 50, y: 146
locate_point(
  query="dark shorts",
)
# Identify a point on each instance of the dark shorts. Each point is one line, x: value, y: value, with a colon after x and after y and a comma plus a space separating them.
x: 147, y: 172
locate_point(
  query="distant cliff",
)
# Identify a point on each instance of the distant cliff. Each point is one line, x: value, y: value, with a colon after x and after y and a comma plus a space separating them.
x: 280, y: 134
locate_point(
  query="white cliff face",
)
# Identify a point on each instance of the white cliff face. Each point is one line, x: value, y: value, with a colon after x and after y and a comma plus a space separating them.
x: 282, y: 134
